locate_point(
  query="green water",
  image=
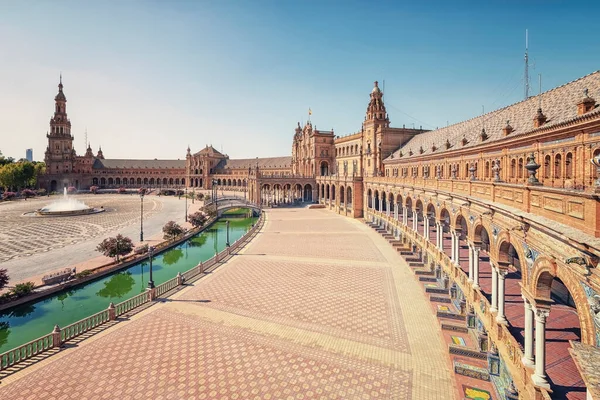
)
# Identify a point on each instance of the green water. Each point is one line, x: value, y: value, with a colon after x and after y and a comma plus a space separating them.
x: 30, y: 321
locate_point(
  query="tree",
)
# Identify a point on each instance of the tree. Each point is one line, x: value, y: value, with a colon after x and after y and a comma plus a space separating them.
x: 71, y: 189
x: 3, y: 278
x: 23, y: 289
x: 199, y: 196
x: 115, y: 246
x: 172, y: 229
x: 197, y: 219
x: 27, y: 193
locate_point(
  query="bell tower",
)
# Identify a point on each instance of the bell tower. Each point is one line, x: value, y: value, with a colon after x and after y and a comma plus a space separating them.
x: 60, y: 155
x: 374, y: 126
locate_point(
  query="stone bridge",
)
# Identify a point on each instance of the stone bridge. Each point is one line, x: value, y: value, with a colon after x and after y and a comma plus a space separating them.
x: 225, y: 203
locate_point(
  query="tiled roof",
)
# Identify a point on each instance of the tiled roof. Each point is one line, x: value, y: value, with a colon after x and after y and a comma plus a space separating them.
x: 138, y: 164
x: 268, y: 162
x: 559, y: 105
x: 210, y: 151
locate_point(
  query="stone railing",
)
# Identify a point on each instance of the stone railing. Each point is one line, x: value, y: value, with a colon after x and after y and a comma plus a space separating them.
x: 60, y: 336
x: 571, y: 208
x: 508, y: 347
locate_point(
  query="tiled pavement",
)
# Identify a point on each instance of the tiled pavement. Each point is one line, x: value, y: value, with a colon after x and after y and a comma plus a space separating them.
x: 302, y: 313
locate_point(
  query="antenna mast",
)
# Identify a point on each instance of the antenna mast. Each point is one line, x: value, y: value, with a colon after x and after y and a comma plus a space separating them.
x: 86, y: 142
x: 526, y: 64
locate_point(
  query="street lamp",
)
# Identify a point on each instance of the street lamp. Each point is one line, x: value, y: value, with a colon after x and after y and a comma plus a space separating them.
x: 186, y: 217
x: 142, y: 192
x: 227, y: 224
x: 150, y: 254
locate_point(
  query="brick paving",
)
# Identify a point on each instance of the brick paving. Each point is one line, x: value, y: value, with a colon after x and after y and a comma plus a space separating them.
x: 270, y: 324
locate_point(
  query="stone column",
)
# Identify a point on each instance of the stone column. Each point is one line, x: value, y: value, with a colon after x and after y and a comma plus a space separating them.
x: 528, y: 356
x: 387, y: 208
x: 471, y: 261
x: 426, y: 223
x: 539, y: 377
x: 405, y: 215
x: 456, y: 247
x: 381, y: 205
x: 452, y: 243
x: 494, y: 306
x: 396, y: 212
x: 475, y: 267
x: 501, y: 318
x: 415, y: 220
x: 438, y: 228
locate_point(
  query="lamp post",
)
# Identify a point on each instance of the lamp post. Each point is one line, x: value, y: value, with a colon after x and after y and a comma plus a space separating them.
x: 150, y: 254
x: 193, y: 194
x: 186, y: 217
x: 142, y: 192
x: 227, y: 224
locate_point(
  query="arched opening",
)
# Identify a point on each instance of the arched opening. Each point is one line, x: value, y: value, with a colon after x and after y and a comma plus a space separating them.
x: 111, y: 181
x: 327, y: 197
x: 308, y: 193
x: 430, y: 215
x: 342, y: 201
x: 369, y: 199
x: 53, y: 184
x: 102, y: 181
x: 324, y: 168
x: 117, y: 181
x: 462, y: 230
x: 349, y: 197
x: 419, y: 217
x: 400, y: 207
x: 557, y: 166
x: 146, y: 181
x: 139, y: 181
x: 562, y: 325
x: 376, y: 200
x: 569, y: 166
x: 409, y: 211
x: 131, y: 181
x: 383, y: 202
x: 520, y: 170
x: 547, y: 169
x: 333, y: 193
x: 390, y: 201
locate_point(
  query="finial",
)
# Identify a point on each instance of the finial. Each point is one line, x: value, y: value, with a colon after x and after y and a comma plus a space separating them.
x: 60, y: 78
x: 376, y: 84
x: 585, y: 92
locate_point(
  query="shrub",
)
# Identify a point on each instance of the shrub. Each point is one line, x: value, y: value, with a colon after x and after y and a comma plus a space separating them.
x: 8, y: 195
x: 27, y: 193
x: 115, y: 246
x: 94, y: 189
x: 3, y: 278
x: 71, y: 189
x: 83, y: 274
x: 142, y: 190
x: 23, y: 289
x: 121, y: 190
x: 197, y: 219
x: 199, y: 196
x: 172, y: 229
x: 41, y: 192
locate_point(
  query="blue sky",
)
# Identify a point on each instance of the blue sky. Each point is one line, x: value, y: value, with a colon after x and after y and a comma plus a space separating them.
x: 147, y: 78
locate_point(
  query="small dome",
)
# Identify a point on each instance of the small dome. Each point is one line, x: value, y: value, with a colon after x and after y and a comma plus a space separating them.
x: 376, y: 88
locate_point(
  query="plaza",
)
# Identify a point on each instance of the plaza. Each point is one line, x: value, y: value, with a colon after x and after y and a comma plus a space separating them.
x: 338, y: 314
x: 33, y: 246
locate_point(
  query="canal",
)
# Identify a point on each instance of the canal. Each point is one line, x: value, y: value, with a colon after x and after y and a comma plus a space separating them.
x: 27, y: 322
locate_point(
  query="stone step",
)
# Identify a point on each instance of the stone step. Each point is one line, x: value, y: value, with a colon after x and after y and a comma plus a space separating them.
x: 472, y: 371
x: 451, y: 315
x: 454, y: 328
x: 415, y: 263
x: 437, y: 290
x: 440, y: 299
x: 424, y: 272
x: 427, y: 279
x: 466, y: 352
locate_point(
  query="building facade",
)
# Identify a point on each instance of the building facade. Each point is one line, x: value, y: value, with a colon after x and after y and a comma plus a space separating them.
x: 502, y: 209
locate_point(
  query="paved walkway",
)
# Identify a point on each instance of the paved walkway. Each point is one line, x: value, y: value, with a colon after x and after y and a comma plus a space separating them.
x: 318, y: 306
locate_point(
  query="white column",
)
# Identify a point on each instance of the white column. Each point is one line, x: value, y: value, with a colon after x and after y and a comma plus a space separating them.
x: 539, y: 377
x: 381, y: 205
x: 470, y: 263
x: 426, y: 223
x: 475, y: 267
x: 452, y: 246
x: 415, y: 220
x: 387, y: 208
x: 405, y: 215
x: 396, y: 211
x: 501, y: 318
x: 437, y: 234
x: 494, y: 306
x: 528, y: 356
x: 456, y: 247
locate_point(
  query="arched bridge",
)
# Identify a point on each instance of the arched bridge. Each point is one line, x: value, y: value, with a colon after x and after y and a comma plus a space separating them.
x: 230, y: 202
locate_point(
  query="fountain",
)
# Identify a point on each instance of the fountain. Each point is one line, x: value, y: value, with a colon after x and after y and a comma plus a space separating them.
x: 67, y: 206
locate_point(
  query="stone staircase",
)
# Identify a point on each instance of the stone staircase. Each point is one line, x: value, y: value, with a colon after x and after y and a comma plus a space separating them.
x: 467, y: 359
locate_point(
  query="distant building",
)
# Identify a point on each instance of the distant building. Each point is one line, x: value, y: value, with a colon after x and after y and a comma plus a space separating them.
x: 29, y: 154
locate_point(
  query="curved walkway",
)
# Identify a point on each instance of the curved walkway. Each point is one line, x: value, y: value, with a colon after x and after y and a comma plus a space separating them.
x: 317, y: 307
